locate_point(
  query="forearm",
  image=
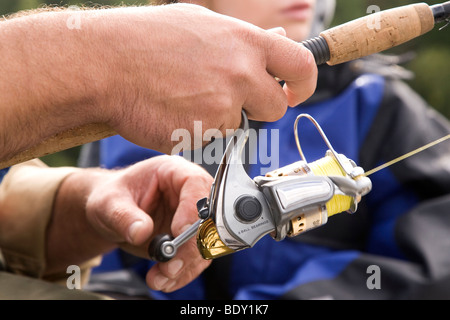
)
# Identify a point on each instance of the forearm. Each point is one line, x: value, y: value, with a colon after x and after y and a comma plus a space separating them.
x: 71, y: 239
x: 64, y: 69
x: 143, y: 71
x: 46, y: 80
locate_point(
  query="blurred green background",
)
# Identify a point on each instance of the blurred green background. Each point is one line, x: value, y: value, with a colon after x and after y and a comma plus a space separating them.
x: 431, y: 67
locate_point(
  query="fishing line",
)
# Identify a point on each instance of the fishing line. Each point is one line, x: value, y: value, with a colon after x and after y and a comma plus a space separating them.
x: 328, y: 166
x: 333, y: 165
x: 406, y: 156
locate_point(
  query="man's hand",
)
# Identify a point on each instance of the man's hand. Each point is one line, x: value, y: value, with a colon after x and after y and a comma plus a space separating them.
x: 183, y: 63
x: 144, y: 71
x: 150, y: 198
x: 127, y: 208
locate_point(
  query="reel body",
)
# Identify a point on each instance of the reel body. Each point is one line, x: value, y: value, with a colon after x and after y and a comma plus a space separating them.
x: 284, y: 203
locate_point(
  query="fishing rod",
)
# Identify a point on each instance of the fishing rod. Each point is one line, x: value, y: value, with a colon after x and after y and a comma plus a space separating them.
x: 362, y: 37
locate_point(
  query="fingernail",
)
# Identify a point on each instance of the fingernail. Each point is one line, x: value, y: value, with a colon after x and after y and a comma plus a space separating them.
x: 169, y: 286
x: 133, y: 230
x: 160, y: 281
x: 174, y: 267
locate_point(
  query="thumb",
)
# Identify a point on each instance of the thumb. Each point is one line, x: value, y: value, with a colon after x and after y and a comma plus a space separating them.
x: 121, y: 221
x: 139, y: 230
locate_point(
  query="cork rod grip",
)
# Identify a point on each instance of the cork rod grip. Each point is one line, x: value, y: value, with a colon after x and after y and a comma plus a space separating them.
x: 377, y: 32
x: 62, y: 141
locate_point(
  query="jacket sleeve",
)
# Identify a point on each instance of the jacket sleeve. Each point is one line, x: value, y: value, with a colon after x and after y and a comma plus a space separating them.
x: 27, y: 193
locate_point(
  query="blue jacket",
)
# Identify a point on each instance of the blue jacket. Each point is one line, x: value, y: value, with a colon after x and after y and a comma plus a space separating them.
x: 398, y: 237
x: 3, y: 173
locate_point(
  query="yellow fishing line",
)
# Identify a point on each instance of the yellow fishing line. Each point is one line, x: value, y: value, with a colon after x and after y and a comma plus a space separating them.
x: 328, y: 166
x: 408, y: 155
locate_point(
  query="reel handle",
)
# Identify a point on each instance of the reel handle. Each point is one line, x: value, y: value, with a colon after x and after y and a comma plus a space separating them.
x: 164, y: 247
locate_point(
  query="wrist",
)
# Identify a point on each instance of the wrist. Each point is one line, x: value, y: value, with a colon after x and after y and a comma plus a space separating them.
x: 71, y: 239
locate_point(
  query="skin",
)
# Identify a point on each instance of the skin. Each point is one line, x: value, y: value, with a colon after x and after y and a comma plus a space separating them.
x: 132, y: 67
x: 135, y: 82
x: 261, y: 13
x: 127, y: 208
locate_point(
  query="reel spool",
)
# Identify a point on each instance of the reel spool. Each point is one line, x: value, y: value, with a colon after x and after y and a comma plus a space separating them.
x: 332, y: 165
x: 327, y: 166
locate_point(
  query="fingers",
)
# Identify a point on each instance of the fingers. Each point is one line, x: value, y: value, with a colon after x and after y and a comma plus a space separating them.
x: 294, y: 64
x: 118, y: 218
x: 181, y: 270
x: 195, y: 187
x: 267, y: 101
x: 287, y: 60
x: 192, y: 184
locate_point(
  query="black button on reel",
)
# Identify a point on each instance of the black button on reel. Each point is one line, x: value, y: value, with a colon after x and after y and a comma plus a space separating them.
x: 248, y: 209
